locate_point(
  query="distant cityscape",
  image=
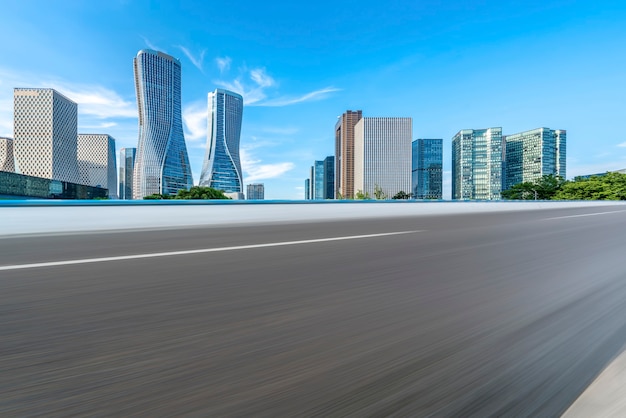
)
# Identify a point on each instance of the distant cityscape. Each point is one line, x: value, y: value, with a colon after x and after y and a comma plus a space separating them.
x: 375, y: 157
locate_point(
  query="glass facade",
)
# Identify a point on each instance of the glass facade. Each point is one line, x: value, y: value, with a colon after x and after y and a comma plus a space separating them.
x: 127, y: 166
x: 532, y: 154
x: 255, y: 191
x: 222, y: 166
x: 14, y: 185
x: 477, y: 164
x: 318, y: 180
x: 162, y: 164
x: 307, y: 189
x: 427, y: 168
x: 329, y: 177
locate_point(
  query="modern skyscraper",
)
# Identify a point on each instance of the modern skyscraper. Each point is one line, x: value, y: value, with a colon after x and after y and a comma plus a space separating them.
x: 477, y: 164
x: 382, y: 155
x: 127, y: 166
x: 532, y: 154
x: 6, y: 155
x: 162, y: 164
x: 317, y: 179
x: 96, y: 162
x: 255, y: 191
x: 222, y: 166
x: 329, y: 177
x: 45, y: 125
x: 307, y: 189
x: 427, y: 169
x: 344, y: 153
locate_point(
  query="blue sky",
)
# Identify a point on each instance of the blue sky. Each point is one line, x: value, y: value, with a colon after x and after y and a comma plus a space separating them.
x: 449, y: 65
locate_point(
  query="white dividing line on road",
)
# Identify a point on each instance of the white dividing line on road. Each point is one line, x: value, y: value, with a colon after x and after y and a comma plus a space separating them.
x: 584, y: 214
x: 200, y: 251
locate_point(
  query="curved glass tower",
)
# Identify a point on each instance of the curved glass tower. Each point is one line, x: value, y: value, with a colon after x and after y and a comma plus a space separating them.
x: 162, y: 163
x: 222, y: 166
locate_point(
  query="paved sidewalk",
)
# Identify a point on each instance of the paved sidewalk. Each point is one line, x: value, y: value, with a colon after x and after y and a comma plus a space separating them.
x: 606, y: 396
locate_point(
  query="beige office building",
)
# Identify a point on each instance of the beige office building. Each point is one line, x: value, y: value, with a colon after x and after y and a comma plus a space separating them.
x: 382, y: 156
x: 96, y: 162
x: 45, y: 125
x: 344, y: 153
x: 6, y: 155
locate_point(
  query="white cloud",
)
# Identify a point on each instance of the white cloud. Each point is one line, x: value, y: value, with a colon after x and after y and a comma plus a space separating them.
x: 254, y: 169
x: 622, y: 145
x: 197, y: 61
x: 223, y: 63
x: 260, y: 77
x: 103, y: 125
x: 308, y: 97
x: 195, y: 121
x: 254, y: 94
x: 94, y: 100
x: 150, y: 44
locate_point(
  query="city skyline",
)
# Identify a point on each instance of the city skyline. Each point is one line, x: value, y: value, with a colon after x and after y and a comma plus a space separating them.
x: 417, y: 63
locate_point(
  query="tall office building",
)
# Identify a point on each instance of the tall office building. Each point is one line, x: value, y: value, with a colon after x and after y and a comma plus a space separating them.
x: 427, y: 169
x: 6, y: 155
x: 382, y: 155
x: 222, y: 166
x: 329, y: 178
x: 344, y: 153
x: 477, y: 156
x: 317, y: 180
x: 162, y: 164
x: 96, y: 162
x: 127, y: 167
x: 255, y: 191
x: 532, y: 154
x: 45, y: 143
x: 307, y: 189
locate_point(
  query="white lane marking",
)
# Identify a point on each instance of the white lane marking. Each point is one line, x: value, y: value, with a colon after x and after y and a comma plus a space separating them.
x: 203, y: 250
x: 584, y: 214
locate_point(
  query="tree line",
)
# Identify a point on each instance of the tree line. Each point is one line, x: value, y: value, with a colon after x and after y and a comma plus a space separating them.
x: 609, y: 186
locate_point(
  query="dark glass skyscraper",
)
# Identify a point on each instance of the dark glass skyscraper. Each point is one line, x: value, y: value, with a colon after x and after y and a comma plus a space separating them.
x: 127, y: 166
x: 222, y: 166
x: 329, y: 177
x: 427, y: 169
x: 162, y: 164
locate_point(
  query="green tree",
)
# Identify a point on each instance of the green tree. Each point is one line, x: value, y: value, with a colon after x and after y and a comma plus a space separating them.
x: 201, y: 193
x: 401, y: 195
x: 611, y: 186
x: 378, y: 193
x: 157, y: 196
x: 360, y: 195
x: 544, y: 188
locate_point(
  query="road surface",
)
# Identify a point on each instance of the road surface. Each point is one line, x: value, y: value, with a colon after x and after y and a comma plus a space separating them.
x: 494, y: 314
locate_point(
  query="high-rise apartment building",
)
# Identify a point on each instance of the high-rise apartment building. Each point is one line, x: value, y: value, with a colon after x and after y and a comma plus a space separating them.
x: 477, y: 156
x: 427, y: 169
x: 382, y: 156
x: 222, y: 166
x: 344, y: 153
x: 532, y: 154
x: 6, y: 155
x: 307, y: 189
x: 45, y: 143
x: 96, y: 162
x: 255, y: 191
x: 127, y: 167
x: 162, y: 164
x: 329, y: 177
x: 317, y: 180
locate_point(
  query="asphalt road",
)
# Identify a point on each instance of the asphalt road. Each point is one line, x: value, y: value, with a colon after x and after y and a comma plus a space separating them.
x: 499, y: 314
